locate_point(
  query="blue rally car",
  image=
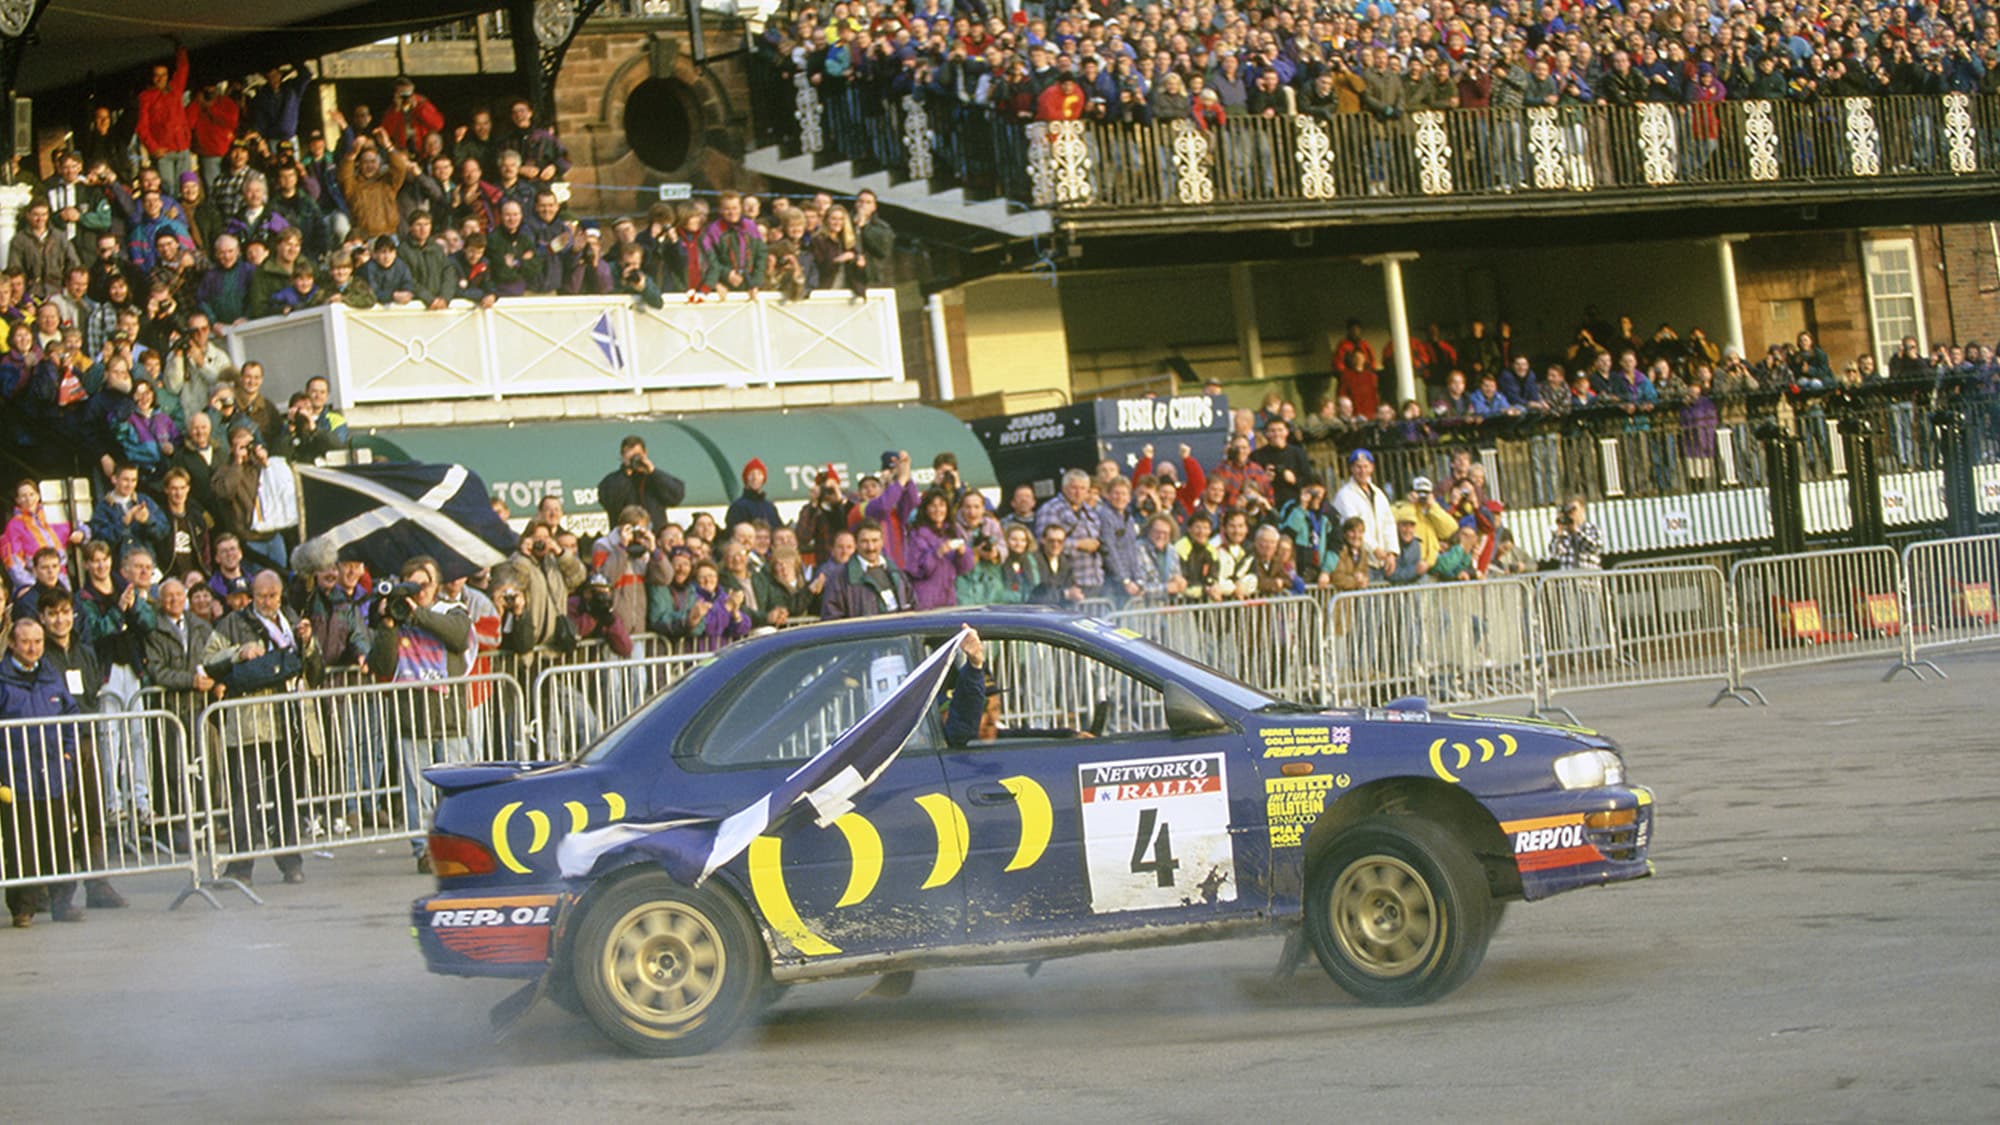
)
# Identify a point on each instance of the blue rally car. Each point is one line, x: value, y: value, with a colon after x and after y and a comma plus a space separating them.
x: 1132, y: 797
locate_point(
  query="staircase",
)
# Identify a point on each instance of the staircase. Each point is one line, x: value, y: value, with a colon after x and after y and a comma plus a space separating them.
x: 844, y: 178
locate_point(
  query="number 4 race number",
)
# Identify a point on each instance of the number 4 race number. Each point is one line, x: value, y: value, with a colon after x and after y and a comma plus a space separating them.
x: 1156, y: 833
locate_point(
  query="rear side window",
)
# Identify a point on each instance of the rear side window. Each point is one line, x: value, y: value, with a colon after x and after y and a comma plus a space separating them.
x: 796, y: 704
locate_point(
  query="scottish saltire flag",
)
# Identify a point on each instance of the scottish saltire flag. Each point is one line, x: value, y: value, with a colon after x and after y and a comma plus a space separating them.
x: 691, y: 850
x: 382, y: 514
x: 607, y: 341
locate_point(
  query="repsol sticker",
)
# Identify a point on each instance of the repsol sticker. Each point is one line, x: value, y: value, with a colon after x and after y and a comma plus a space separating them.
x: 1549, y: 839
x: 474, y: 917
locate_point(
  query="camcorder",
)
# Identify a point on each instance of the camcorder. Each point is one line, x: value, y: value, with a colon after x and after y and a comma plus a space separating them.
x: 394, y: 602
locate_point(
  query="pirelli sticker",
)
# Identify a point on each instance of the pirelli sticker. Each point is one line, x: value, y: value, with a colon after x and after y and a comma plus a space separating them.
x: 1156, y: 832
x: 1294, y: 804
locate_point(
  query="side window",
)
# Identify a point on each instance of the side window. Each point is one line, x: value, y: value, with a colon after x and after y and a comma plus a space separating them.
x: 795, y: 706
x: 1049, y: 686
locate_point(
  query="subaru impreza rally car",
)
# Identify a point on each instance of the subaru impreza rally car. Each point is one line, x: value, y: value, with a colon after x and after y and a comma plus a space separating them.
x: 1132, y: 798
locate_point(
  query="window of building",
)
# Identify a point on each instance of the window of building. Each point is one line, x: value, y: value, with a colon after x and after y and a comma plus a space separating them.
x: 1895, y: 304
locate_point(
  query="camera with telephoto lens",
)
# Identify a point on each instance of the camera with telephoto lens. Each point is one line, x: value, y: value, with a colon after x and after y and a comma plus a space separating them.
x: 394, y: 602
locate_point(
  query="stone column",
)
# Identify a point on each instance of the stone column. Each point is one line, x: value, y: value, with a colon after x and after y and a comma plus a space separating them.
x: 1732, y: 306
x: 1399, y: 322
x: 1249, y: 336
x: 13, y: 198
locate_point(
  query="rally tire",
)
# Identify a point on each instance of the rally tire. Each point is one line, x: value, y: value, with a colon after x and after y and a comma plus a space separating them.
x: 1398, y: 911
x: 663, y: 969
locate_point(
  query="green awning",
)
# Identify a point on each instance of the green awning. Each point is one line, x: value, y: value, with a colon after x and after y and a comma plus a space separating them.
x: 523, y: 461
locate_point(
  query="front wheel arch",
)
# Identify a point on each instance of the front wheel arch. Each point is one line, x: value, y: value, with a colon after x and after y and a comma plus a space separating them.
x: 1444, y: 804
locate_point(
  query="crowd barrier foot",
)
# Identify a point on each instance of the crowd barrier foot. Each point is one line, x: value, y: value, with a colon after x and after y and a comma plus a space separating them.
x: 1569, y: 716
x: 1744, y: 695
x: 1914, y: 668
x: 206, y: 889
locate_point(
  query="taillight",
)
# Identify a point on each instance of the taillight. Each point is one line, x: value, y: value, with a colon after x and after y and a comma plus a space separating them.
x: 455, y: 856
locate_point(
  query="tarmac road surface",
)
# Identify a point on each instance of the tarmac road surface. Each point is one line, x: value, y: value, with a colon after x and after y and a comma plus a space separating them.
x: 1819, y: 946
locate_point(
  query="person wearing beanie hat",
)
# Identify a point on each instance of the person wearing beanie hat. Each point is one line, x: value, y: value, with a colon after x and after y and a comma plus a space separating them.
x: 751, y: 504
x: 1361, y: 497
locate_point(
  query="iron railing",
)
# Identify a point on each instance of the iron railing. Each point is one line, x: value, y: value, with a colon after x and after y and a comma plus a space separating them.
x: 1753, y: 144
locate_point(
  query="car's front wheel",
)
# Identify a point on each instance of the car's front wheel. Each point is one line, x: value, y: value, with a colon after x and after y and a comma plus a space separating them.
x: 664, y: 969
x: 1397, y: 911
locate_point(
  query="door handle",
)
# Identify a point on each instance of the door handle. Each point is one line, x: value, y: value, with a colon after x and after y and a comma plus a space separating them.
x: 989, y: 795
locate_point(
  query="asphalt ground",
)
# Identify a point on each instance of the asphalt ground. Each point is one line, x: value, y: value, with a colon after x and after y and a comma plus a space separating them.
x: 1819, y: 946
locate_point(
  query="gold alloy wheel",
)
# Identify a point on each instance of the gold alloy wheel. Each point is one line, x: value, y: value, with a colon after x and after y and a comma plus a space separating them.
x: 1384, y: 916
x: 664, y: 964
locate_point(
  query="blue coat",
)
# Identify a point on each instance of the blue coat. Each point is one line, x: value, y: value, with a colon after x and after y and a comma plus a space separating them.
x: 40, y: 762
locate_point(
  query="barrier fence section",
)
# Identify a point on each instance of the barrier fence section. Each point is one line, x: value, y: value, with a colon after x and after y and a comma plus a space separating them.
x: 1951, y: 586
x: 575, y: 703
x: 1818, y: 606
x: 1272, y: 644
x: 1633, y: 627
x: 1456, y: 642
x: 90, y: 796
x: 335, y: 766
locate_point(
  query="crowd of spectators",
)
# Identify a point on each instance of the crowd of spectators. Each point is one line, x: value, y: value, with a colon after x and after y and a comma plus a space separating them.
x: 166, y: 223
x: 1385, y: 58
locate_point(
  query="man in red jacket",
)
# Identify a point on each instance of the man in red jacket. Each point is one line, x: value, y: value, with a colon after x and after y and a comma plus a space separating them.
x: 163, y: 120
x: 1063, y: 101
x: 212, y: 119
x: 411, y: 117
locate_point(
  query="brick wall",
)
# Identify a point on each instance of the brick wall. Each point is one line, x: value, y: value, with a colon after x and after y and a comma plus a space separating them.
x: 1823, y: 268
x: 1971, y: 282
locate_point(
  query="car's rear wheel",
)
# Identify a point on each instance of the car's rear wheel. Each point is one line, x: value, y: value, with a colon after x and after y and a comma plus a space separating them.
x: 664, y: 969
x: 1397, y: 911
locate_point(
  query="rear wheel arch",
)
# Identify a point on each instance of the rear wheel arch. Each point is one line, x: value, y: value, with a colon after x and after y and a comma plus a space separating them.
x: 560, y: 960
x: 1443, y: 804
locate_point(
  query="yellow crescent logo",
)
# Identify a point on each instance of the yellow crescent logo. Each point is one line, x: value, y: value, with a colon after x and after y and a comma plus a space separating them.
x: 866, y: 845
x: 1508, y: 745
x: 1037, y: 820
x: 767, y: 884
x: 953, y: 838
x: 500, y: 848
x: 1437, y: 759
x: 579, y: 818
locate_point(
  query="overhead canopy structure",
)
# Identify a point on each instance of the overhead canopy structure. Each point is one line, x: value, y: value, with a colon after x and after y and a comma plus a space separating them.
x: 526, y: 461
x: 77, y: 41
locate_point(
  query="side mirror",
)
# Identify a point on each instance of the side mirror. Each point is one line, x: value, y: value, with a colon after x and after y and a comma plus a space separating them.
x: 1189, y: 714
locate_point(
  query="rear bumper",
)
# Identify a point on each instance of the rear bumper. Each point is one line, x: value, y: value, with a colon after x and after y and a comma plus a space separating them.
x: 482, y: 934
x: 1564, y: 842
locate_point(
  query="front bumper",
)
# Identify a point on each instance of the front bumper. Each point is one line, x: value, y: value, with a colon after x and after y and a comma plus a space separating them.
x: 483, y: 934
x: 1578, y: 838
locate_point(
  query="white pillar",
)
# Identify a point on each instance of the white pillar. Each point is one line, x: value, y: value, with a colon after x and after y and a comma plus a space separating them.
x: 1249, y: 337
x: 13, y: 197
x: 1399, y: 323
x: 1732, y: 306
x: 940, y: 347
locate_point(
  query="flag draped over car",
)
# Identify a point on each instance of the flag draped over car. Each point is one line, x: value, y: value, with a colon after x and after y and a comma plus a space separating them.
x: 692, y: 849
x: 387, y: 513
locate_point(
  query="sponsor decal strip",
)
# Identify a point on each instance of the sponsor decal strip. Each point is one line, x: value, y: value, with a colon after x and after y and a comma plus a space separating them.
x: 1561, y: 857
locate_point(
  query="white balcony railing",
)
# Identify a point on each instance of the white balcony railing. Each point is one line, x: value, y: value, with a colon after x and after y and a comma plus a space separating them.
x: 570, y: 345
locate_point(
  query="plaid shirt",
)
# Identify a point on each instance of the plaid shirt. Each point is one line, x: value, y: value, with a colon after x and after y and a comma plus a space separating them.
x: 1581, y: 548
x: 1080, y: 523
x: 227, y: 191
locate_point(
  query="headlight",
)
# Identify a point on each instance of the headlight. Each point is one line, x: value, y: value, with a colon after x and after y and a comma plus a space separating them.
x: 1589, y: 769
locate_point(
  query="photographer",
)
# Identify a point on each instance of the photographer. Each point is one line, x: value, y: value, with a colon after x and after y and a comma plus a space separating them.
x: 638, y: 481
x: 622, y: 557
x: 413, y: 640
x: 827, y: 514
x: 261, y: 650
x: 592, y: 615
x: 632, y: 277
x: 1576, y: 543
x: 303, y: 439
x: 544, y: 575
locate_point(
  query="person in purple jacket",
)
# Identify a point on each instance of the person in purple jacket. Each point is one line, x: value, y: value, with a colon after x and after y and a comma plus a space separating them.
x: 896, y: 507
x: 935, y: 554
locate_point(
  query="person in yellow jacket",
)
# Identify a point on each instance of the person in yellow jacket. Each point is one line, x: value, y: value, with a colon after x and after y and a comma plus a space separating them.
x: 1435, y: 527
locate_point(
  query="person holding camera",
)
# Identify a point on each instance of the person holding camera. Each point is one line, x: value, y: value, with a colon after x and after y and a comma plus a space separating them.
x: 633, y: 279
x: 410, y: 117
x: 544, y: 575
x: 828, y: 514
x: 637, y: 480
x: 623, y: 556
x: 1576, y: 543
x: 260, y: 650
x: 413, y: 639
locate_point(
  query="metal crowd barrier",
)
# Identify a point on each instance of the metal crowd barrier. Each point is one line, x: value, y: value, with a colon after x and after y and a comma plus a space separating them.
x: 339, y: 766
x: 1450, y: 642
x: 1951, y: 587
x: 574, y: 703
x: 125, y: 796
x: 1631, y: 628
x: 1816, y: 607
x: 1273, y: 644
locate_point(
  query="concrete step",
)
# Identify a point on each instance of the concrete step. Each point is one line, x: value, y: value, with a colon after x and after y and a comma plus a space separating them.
x: 950, y: 205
